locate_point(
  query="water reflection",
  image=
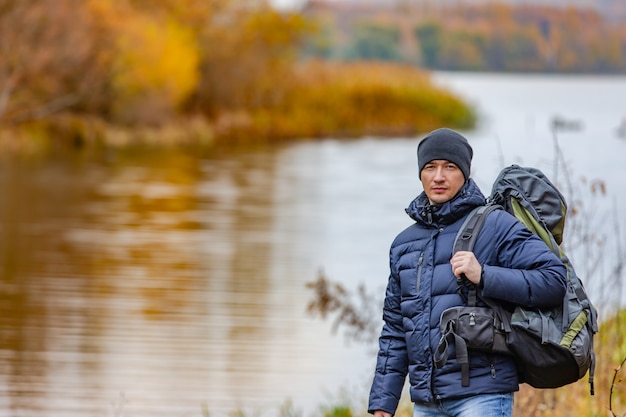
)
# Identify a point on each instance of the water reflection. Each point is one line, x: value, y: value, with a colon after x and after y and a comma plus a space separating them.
x: 145, y: 285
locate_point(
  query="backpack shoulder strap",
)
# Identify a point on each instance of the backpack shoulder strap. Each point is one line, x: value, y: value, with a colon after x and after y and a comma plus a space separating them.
x: 466, y: 237
x: 465, y: 240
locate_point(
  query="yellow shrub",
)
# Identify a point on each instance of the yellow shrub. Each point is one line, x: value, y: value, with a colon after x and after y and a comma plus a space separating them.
x: 156, y: 57
x: 155, y: 61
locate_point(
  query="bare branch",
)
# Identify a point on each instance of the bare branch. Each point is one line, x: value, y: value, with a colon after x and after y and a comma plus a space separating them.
x: 614, y: 382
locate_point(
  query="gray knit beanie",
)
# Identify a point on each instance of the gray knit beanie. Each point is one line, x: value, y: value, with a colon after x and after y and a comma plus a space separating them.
x: 445, y: 144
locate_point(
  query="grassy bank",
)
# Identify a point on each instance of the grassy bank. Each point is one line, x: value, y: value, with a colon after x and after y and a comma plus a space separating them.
x: 325, y: 99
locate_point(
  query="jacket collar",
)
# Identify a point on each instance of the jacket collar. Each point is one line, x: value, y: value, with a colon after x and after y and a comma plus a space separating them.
x: 468, y: 197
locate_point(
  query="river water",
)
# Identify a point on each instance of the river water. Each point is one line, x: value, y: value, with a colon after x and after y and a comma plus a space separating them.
x: 172, y: 284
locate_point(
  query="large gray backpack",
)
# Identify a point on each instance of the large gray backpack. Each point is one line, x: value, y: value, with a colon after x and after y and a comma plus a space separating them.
x: 552, y: 347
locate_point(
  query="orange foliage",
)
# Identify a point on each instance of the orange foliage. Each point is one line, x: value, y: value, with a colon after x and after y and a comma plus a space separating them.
x: 44, y: 67
x: 233, y: 62
x: 154, y: 62
x: 353, y: 99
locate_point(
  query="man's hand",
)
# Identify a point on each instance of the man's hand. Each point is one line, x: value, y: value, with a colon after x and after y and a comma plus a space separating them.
x: 381, y: 413
x: 464, y: 262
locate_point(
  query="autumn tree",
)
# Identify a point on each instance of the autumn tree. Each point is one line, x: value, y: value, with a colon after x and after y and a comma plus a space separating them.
x: 249, y: 67
x: 44, y: 66
x: 495, y: 36
x: 153, y: 59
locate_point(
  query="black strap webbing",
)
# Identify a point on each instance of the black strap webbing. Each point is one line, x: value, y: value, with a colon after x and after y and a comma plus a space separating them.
x: 468, y: 233
x: 462, y: 356
x: 466, y: 238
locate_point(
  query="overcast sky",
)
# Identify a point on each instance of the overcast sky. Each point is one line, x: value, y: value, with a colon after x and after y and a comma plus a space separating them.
x: 286, y: 4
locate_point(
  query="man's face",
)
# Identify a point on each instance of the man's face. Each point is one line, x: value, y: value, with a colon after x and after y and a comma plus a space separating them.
x: 441, y: 180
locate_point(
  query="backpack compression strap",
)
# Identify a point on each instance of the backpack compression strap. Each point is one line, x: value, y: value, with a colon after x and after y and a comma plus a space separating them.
x: 462, y: 356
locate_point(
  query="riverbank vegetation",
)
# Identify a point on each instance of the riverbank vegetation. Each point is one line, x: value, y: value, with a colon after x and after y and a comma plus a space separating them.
x: 473, y: 35
x: 216, y: 73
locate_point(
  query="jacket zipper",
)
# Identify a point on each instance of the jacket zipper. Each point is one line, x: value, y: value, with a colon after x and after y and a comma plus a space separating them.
x: 419, y: 272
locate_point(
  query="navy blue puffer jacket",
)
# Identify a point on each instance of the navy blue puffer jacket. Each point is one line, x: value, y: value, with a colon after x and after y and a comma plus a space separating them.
x: 518, y: 268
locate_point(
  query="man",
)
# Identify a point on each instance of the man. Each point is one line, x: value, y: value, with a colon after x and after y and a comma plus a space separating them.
x: 509, y: 264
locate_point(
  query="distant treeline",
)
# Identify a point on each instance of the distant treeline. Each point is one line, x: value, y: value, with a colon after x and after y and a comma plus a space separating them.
x: 487, y: 37
x: 225, y: 70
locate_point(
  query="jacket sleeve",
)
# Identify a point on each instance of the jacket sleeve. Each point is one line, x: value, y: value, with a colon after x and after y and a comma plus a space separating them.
x: 520, y: 268
x: 392, y: 359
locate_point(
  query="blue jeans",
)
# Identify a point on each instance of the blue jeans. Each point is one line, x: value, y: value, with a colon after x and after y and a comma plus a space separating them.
x: 486, y: 405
